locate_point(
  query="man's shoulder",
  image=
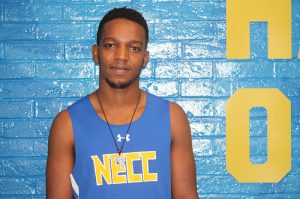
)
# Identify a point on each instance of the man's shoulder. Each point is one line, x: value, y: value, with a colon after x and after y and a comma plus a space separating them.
x: 157, y: 99
x: 79, y: 102
x: 73, y: 109
x: 61, y: 118
x: 173, y: 105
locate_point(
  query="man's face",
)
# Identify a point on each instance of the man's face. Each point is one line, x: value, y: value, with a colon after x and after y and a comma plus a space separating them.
x: 121, y: 53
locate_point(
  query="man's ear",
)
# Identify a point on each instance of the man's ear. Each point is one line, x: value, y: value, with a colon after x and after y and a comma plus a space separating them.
x: 95, y: 51
x: 146, y: 59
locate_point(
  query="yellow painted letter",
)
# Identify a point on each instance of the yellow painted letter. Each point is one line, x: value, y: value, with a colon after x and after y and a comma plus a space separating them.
x: 102, y: 170
x: 116, y: 169
x: 239, y: 14
x: 278, y: 109
x: 146, y: 156
x: 131, y: 176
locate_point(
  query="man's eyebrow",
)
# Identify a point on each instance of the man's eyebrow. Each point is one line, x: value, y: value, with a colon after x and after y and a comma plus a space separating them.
x: 139, y: 42
x: 108, y: 38
x: 131, y: 42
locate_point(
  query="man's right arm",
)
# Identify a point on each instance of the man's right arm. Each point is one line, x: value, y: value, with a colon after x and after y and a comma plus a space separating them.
x: 61, y: 158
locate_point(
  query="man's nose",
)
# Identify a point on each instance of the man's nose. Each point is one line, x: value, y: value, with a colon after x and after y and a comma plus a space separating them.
x: 122, y: 53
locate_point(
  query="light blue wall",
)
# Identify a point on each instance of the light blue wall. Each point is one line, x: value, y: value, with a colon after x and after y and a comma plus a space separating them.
x: 45, y: 65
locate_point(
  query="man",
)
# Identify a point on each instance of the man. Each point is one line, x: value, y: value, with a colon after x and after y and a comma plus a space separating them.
x: 120, y: 141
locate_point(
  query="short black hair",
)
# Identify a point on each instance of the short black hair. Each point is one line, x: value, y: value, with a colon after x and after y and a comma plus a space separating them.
x: 126, y: 13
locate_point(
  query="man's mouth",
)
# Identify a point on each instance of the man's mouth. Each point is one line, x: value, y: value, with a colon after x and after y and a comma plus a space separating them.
x: 119, y: 70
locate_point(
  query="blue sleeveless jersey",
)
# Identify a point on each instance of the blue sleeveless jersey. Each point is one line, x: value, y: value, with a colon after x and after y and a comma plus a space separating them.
x: 145, y: 169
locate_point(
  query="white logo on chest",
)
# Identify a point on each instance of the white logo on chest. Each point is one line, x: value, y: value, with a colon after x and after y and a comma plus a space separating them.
x: 120, y: 138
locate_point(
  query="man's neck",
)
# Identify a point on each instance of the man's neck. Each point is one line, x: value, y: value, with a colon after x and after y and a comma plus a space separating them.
x: 118, y: 98
x: 119, y: 104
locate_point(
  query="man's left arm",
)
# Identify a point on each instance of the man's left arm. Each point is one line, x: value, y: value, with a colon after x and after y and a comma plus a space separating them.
x: 183, y: 169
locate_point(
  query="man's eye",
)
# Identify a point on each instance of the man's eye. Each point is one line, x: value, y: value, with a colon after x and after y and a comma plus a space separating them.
x: 108, y: 45
x: 134, y: 48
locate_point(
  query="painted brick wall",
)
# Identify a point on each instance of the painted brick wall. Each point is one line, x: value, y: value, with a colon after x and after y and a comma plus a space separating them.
x: 45, y: 65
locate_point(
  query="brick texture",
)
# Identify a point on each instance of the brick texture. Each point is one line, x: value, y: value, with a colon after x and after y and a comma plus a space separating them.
x: 46, y: 65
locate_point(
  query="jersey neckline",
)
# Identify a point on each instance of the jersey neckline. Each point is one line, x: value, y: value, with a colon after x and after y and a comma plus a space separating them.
x: 120, y: 125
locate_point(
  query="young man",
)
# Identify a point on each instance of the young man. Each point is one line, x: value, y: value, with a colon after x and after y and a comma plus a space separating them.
x: 120, y: 141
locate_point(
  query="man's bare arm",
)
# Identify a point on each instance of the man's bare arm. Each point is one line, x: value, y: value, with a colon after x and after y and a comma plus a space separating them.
x: 60, y: 161
x: 182, y: 158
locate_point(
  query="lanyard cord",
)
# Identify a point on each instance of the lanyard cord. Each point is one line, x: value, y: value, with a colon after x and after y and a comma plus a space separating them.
x: 119, y: 150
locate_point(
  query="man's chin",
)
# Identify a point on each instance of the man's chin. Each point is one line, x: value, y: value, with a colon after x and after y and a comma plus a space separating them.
x: 118, y: 85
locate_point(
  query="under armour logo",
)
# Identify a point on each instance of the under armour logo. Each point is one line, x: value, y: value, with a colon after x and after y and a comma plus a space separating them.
x: 120, y: 138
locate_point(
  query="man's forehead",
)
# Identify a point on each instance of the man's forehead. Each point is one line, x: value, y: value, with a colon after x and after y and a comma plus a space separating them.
x: 121, y: 28
x: 122, y: 21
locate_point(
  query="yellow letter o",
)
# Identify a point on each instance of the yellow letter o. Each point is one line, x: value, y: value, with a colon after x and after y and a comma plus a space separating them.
x: 278, y: 108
